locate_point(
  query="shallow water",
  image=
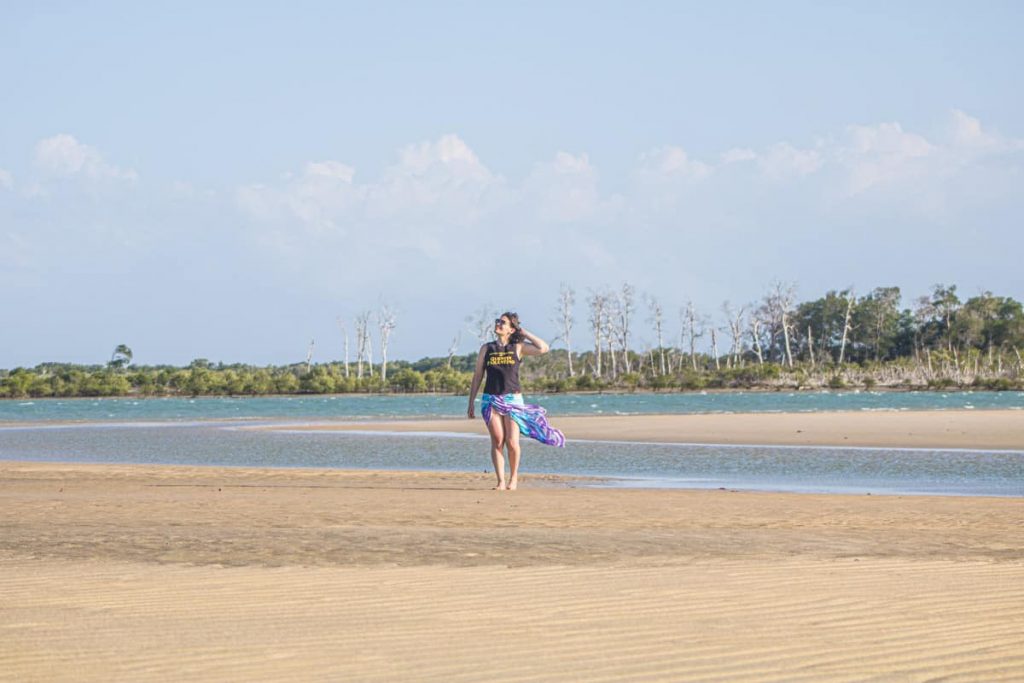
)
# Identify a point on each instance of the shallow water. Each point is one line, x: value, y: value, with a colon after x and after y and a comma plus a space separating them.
x: 411, y: 406
x: 800, y: 469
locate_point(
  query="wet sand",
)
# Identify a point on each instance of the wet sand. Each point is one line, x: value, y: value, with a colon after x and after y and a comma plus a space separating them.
x: 982, y: 429
x: 130, y: 572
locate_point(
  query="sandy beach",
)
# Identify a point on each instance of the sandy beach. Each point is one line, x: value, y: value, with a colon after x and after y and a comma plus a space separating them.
x: 983, y: 429
x: 130, y: 572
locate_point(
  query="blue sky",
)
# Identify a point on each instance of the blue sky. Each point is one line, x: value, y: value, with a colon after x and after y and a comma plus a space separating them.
x: 224, y: 182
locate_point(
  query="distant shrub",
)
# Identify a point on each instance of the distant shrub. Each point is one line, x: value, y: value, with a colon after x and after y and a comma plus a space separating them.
x: 660, y: 382
x: 691, y: 381
x: 631, y: 380
x: 585, y: 383
x: 997, y: 384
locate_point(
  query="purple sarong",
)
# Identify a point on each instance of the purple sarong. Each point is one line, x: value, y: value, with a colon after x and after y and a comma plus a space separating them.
x: 532, y: 420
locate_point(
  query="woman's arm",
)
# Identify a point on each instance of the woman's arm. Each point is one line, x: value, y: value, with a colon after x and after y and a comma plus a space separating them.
x: 535, y: 346
x: 478, y: 374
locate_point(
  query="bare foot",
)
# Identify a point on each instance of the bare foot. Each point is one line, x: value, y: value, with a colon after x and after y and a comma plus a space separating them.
x: 500, y: 486
x: 512, y: 484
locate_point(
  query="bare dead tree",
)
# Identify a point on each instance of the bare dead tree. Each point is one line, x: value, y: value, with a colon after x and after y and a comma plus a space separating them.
x: 454, y: 347
x: 309, y: 356
x: 786, y: 307
x: 481, y: 323
x: 624, y: 310
x: 657, y: 319
x: 735, y: 319
x: 775, y: 311
x: 810, y: 345
x: 363, y: 351
x: 923, y: 312
x: 359, y: 350
x: 755, y: 335
x: 611, y: 332
x: 385, y: 325
x: 850, y: 298
x: 598, y: 305
x: 694, y: 326
x: 564, y: 318
x: 646, y: 355
x: 344, y: 334
x: 714, y: 349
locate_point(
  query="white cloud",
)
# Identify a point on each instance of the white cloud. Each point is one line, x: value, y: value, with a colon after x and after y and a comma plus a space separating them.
x: 564, y: 190
x: 738, y: 155
x: 971, y: 140
x: 673, y: 161
x: 783, y: 161
x: 967, y: 132
x: 62, y: 156
x: 442, y: 179
x: 432, y: 203
x: 662, y: 179
x: 881, y: 155
x: 6, y: 180
x: 438, y: 181
x: 318, y: 196
x: 438, y: 217
x: 448, y: 152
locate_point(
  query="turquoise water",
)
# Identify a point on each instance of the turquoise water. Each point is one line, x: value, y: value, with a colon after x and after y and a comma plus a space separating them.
x: 213, y: 431
x: 369, y: 407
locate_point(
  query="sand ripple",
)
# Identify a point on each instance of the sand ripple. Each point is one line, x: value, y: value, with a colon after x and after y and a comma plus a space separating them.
x: 149, y: 573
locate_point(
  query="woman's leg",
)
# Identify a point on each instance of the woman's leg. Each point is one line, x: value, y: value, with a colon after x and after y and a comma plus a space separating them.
x: 496, y: 429
x: 512, y: 441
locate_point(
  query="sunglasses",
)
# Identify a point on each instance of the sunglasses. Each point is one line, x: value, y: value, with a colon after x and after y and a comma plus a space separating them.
x: 499, y: 322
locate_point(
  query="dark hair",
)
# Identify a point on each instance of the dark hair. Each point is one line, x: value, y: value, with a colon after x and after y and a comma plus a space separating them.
x: 516, y: 337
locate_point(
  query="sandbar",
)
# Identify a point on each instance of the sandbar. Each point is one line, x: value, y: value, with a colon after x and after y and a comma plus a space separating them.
x: 146, y: 573
x: 970, y: 429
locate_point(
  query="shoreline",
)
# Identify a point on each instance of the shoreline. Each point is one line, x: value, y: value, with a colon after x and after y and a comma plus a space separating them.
x: 881, y: 389
x: 956, y: 429
x: 996, y: 430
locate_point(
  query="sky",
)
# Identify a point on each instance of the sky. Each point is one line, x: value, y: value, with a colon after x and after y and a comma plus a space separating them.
x: 233, y: 180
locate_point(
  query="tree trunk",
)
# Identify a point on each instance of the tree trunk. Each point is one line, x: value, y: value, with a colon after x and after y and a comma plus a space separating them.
x: 714, y: 349
x: 344, y: 334
x: 566, y: 299
x: 810, y: 345
x: 598, y: 312
x: 755, y: 334
x: 846, y: 326
x: 785, y: 336
x: 453, y: 348
x: 385, y: 324
x: 625, y: 309
x: 691, y: 319
x: 661, y: 346
x: 611, y: 355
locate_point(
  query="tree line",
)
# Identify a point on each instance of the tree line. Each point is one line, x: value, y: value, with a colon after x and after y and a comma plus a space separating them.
x: 841, y: 339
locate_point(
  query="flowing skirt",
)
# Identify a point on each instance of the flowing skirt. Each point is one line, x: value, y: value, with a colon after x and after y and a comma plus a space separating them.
x: 532, y: 420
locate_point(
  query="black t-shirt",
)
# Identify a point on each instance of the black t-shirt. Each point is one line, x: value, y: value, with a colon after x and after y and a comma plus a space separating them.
x: 502, y: 368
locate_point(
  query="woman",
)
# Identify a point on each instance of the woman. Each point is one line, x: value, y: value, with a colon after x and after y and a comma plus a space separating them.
x: 502, y: 404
